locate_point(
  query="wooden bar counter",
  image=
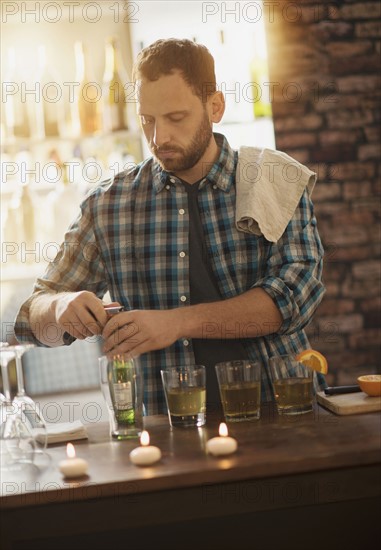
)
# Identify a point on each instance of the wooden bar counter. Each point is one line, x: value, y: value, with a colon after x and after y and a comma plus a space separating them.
x: 302, y: 482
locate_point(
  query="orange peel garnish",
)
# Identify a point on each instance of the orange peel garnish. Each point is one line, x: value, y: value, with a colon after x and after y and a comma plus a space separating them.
x: 314, y: 360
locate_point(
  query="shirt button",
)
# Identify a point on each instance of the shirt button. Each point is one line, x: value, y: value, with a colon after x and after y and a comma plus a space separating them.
x: 168, y: 187
x: 181, y: 211
x: 186, y: 342
x: 172, y: 180
x: 214, y: 186
x: 182, y: 254
x: 183, y: 298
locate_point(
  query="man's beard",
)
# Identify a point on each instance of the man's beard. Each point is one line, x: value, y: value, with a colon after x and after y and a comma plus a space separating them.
x: 190, y: 156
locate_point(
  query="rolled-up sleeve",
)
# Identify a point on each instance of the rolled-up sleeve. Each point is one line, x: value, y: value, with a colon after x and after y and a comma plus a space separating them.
x: 293, y: 276
x: 77, y: 266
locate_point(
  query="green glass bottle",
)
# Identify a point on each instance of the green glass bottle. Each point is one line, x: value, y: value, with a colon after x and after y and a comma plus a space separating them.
x: 121, y: 383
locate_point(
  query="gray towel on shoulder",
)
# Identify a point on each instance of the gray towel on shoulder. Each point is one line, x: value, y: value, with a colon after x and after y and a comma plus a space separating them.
x: 269, y: 187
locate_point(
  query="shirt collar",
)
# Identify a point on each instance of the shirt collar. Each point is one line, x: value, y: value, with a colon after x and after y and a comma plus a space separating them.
x: 221, y: 172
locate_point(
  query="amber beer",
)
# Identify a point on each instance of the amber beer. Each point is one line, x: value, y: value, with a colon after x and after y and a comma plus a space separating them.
x: 239, y: 382
x: 241, y: 401
x: 185, y: 394
x: 293, y: 395
x: 186, y: 402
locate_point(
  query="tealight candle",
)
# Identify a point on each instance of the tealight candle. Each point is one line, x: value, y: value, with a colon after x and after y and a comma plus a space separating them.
x: 73, y: 467
x: 223, y: 445
x: 146, y: 454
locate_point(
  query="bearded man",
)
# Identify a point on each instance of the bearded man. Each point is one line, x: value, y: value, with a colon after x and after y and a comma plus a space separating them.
x: 161, y: 238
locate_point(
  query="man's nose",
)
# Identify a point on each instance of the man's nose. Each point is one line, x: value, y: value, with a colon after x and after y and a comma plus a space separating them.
x: 161, y: 134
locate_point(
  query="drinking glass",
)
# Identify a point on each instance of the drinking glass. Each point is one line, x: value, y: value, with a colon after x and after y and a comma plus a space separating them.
x: 240, y: 389
x: 292, y: 384
x: 17, y: 444
x: 26, y: 405
x: 6, y: 356
x: 185, y: 394
x: 122, y: 388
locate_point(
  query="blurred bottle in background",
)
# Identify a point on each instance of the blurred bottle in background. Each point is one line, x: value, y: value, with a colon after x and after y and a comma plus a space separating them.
x: 16, y: 116
x: 27, y: 206
x: 87, y: 116
x: 114, y: 94
x: 63, y: 202
x: 49, y: 101
x: 20, y: 218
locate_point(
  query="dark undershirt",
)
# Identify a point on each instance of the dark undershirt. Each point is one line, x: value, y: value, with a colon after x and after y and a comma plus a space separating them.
x: 204, y: 288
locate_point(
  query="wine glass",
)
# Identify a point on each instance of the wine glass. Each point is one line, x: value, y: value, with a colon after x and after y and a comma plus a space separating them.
x: 5, y: 397
x: 2, y: 404
x: 17, y: 444
x: 25, y: 404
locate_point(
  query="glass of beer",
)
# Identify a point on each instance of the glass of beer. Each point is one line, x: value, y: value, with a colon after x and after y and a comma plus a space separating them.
x: 185, y: 394
x: 292, y: 384
x: 240, y: 389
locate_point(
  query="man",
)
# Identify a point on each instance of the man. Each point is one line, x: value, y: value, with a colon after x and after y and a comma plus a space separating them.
x: 161, y: 238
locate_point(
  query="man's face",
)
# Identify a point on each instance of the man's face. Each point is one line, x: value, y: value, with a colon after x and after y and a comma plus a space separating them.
x: 175, y: 122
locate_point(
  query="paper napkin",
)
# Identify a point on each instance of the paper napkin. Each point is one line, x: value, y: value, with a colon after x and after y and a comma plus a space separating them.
x: 63, y: 431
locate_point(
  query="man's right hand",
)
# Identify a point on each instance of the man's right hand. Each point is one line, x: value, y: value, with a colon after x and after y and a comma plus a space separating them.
x: 81, y: 314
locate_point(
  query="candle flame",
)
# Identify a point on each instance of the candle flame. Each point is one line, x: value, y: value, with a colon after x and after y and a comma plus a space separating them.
x: 223, y: 430
x: 144, y: 438
x: 70, y: 450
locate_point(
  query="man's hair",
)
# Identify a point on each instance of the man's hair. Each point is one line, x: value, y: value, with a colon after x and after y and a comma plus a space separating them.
x: 163, y: 57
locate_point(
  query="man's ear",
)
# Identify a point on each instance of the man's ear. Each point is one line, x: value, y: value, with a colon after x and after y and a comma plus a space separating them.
x: 216, y: 106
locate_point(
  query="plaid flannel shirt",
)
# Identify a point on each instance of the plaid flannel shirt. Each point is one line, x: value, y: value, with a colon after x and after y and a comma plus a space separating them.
x: 128, y: 238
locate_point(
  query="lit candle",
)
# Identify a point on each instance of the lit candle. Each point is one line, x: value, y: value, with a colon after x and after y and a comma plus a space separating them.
x: 222, y: 445
x: 146, y: 454
x: 72, y: 466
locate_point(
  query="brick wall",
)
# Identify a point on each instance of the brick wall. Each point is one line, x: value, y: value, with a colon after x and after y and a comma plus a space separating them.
x: 324, y: 62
